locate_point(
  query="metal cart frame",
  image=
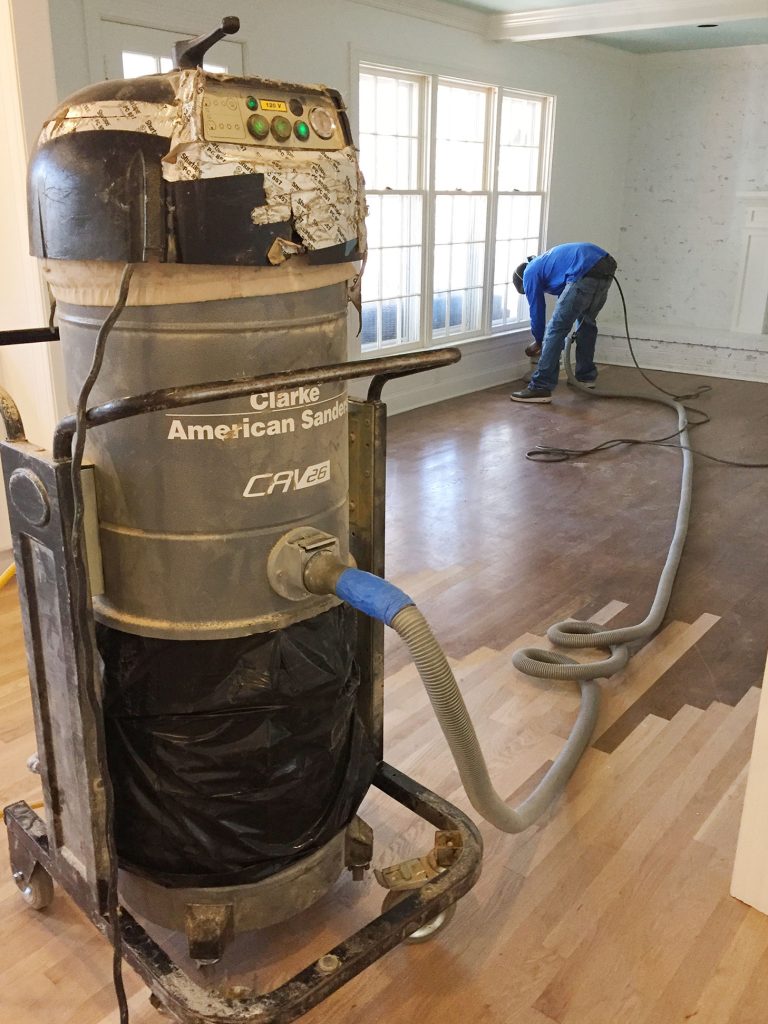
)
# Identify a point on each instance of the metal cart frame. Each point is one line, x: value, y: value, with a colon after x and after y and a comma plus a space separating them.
x: 73, y: 848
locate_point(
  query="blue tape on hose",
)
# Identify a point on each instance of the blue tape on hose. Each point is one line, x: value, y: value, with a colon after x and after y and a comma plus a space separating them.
x: 371, y: 594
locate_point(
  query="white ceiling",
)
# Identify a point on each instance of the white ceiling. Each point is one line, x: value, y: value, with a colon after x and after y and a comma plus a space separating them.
x: 641, y: 26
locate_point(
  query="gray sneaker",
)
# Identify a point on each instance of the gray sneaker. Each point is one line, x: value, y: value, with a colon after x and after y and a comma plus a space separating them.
x: 584, y: 383
x: 532, y: 396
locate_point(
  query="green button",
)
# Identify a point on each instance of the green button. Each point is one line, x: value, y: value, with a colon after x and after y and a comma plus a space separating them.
x: 301, y: 128
x: 258, y: 126
x: 252, y: 103
x: 281, y: 128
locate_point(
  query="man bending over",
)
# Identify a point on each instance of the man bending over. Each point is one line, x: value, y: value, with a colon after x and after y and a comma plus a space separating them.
x: 580, y: 274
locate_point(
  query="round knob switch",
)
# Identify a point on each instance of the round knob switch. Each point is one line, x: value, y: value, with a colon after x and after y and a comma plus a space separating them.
x: 258, y: 126
x: 281, y: 128
x: 322, y: 122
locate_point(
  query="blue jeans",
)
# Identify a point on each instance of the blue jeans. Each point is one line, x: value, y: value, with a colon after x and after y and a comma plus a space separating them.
x: 579, y: 304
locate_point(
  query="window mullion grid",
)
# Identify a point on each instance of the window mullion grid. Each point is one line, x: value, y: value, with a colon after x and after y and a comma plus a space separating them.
x: 448, y: 290
x: 380, y: 345
x: 425, y: 190
x: 545, y: 165
x: 493, y: 139
x: 429, y: 134
x: 543, y: 140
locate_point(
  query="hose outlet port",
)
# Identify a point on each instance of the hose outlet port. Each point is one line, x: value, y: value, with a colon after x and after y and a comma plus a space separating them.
x: 289, y: 560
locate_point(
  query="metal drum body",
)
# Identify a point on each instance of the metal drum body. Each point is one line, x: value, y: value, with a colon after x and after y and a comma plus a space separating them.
x: 190, y: 503
x: 221, y: 700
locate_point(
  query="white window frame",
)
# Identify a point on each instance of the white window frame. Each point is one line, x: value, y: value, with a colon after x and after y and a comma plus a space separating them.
x: 489, y: 173
x: 119, y: 37
x: 103, y: 18
x: 424, y: 162
x: 543, y: 180
x: 429, y: 79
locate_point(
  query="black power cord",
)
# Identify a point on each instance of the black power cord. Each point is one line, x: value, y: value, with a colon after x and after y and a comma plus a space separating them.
x: 554, y: 453
x: 702, y: 389
x: 84, y: 649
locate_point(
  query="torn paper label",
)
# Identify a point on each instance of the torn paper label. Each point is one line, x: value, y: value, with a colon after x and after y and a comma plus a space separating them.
x: 270, y: 214
x: 321, y: 192
x: 113, y: 115
x: 281, y: 249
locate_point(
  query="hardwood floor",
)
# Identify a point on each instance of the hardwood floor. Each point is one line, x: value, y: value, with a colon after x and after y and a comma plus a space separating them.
x: 538, y: 542
x: 615, y: 907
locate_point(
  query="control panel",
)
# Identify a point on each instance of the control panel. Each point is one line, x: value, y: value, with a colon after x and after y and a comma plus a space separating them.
x: 250, y: 114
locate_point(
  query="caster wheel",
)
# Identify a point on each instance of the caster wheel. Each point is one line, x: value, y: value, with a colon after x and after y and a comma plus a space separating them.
x: 38, y: 891
x: 430, y: 928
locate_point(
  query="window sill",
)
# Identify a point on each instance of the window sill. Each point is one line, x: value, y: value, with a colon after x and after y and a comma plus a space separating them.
x: 415, y: 346
x: 501, y: 333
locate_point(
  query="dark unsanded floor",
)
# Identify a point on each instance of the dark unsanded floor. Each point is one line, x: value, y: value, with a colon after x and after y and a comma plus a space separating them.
x: 542, y: 542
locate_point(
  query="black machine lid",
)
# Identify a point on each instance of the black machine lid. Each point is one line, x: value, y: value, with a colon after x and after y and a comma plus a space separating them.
x: 194, y: 167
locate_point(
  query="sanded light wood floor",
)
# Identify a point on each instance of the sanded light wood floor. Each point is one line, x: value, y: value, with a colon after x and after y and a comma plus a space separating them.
x: 613, y: 908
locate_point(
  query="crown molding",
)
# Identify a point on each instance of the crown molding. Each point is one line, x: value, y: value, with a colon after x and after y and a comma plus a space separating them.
x: 435, y: 11
x: 617, y: 16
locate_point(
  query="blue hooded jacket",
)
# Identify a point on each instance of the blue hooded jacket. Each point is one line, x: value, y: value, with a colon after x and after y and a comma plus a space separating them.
x: 551, y: 272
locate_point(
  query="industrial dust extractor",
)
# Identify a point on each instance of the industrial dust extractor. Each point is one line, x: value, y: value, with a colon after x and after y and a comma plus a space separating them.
x: 200, y: 555
x: 208, y: 720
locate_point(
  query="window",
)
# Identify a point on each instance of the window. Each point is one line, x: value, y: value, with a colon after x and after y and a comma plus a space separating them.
x: 128, y: 51
x: 452, y: 209
x: 461, y: 208
x: 392, y: 157
x: 137, y: 64
x: 519, y: 201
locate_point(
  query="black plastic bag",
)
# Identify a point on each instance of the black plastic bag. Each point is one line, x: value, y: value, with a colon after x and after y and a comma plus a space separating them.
x: 231, y: 758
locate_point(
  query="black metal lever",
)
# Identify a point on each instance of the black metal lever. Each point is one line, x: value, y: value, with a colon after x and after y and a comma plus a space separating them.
x: 239, y: 387
x: 29, y: 334
x: 189, y: 53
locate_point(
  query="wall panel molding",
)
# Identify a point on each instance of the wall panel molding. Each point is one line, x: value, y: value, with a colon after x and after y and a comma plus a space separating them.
x: 710, y: 353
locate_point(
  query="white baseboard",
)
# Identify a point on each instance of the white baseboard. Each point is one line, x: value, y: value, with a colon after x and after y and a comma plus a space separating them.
x: 705, y: 351
x: 484, y: 364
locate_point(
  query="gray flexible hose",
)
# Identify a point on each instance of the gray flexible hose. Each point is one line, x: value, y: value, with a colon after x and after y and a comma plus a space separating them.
x: 573, y: 633
x: 452, y: 714
x: 449, y: 706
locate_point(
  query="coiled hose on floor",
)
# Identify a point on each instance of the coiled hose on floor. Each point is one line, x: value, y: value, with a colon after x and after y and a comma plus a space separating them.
x: 384, y: 601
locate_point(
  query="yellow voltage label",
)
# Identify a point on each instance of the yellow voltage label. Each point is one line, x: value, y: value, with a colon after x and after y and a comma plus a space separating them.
x: 273, y: 105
